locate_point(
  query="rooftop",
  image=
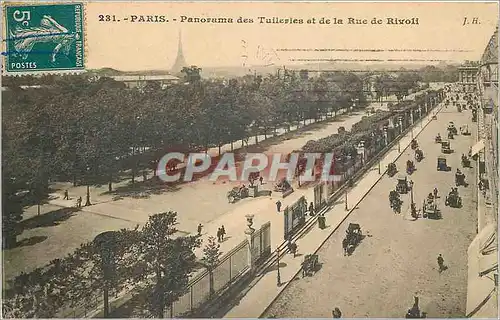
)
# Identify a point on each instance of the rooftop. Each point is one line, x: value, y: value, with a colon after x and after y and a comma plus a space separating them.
x: 145, y: 78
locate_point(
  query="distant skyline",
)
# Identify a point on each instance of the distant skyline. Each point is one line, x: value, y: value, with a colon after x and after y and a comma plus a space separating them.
x: 134, y: 46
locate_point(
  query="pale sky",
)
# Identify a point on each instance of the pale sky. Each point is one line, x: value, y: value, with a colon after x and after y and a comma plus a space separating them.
x: 127, y: 45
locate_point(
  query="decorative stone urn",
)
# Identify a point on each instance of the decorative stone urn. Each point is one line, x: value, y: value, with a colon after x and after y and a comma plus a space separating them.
x: 249, y: 218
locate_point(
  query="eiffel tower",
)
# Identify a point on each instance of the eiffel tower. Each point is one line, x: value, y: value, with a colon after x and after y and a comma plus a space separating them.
x: 180, y: 61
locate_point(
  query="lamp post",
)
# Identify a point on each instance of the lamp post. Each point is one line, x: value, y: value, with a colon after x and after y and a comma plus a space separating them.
x: 354, y: 103
x: 278, y: 275
x: 345, y: 200
x: 411, y: 192
x: 87, y: 201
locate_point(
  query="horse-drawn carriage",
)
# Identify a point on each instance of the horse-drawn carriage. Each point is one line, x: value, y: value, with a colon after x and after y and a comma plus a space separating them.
x: 410, y: 167
x: 395, y: 201
x: 414, y: 144
x: 282, y: 185
x: 391, y: 169
x: 402, y: 186
x: 445, y: 147
x: 451, y: 128
x: 453, y: 199
x: 465, y: 161
x: 309, y: 265
x: 442, y: 165
x: 438, y: 139
x: 430, y: 208
x: 352, y: 238
x: 464, y: 130
x: 460, y: 178
x: 237, y: 193
x: 419, y: 155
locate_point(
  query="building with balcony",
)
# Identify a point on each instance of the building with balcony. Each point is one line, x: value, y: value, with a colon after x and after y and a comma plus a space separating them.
x: 482, y: 284
x: 467, y: 76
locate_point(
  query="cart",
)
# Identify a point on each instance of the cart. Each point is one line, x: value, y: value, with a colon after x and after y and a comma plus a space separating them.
x: 430, y: 209
x: 445, y: 147
x: 441, y: 164
x: 309, y: 265
x: 402, y: 185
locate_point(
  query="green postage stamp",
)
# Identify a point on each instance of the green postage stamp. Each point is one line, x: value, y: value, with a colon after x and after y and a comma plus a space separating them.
x: 48, y: 37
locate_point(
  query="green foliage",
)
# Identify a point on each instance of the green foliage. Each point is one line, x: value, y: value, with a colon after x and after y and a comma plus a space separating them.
x: 211, y: 253
x: 152, y: 257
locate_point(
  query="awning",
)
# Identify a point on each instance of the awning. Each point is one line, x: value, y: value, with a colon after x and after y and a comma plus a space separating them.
x: 481, y: 291
x: 477, y: 147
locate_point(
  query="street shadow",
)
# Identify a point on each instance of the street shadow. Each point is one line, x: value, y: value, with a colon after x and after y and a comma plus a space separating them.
x: 274, y: 267
x: 225, y: 239
x: 49, y: 219
x: 30, y: 241
x: 144, y: 189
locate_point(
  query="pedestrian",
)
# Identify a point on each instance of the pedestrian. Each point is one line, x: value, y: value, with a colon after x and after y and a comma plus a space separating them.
x: 278, y: 205
x: 222, y: 232
x: 311, y: 209
x: 219, y: 235
x: 440, y: 261
x: 66, y: 195
x: 261, y: 179
x: 336, y: 313
x: 200, y: 227
x: 79, y: 202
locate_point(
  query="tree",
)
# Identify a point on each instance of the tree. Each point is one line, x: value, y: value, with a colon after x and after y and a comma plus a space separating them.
x: 170, y: 259
x: 210, y: 259
x: 12, y: 211
x: 192, y: 74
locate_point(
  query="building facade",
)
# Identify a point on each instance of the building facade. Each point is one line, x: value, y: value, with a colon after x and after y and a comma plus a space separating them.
x: 482, y: 284
x: 467, y: 77
x: 140, y: 81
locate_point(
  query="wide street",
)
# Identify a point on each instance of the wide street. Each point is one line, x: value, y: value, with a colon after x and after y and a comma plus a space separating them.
x: 397, y: 259
x: 200, y: 201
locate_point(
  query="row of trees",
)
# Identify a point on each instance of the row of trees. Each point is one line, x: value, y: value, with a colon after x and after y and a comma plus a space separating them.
x: 88, y: 130
x: 399, y: 85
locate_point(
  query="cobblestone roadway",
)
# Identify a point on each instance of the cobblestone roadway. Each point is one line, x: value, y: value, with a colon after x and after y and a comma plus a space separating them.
x: 397, y: 259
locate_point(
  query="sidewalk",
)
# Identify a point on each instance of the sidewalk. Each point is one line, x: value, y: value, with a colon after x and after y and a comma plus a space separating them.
x: 261, y: 295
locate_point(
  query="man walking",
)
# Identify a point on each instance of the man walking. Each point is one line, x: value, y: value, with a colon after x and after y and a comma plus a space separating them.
x: 219, y: 234
x: 200, y: 227
x: 440, y: 261
x: 66, y: 195
x: 222, y: 232
x: 79, y: 202
x: 278, y: 205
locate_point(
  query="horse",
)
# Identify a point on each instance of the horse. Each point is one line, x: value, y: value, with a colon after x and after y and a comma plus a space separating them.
x: 345, y: 245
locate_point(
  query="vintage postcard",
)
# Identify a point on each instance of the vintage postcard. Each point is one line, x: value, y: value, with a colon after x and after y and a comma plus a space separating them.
x: 249, y: 159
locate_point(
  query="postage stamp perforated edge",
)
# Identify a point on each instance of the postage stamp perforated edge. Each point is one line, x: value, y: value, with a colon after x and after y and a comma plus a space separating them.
x: 41, y: 72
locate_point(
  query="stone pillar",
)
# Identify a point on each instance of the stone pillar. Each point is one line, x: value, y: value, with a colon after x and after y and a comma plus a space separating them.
x: 420, y: 112
x: 361, y: 150
x: 412, y: 121
x: 400, y: 124
x: 249, y: 232
x: 386, y: 136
